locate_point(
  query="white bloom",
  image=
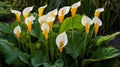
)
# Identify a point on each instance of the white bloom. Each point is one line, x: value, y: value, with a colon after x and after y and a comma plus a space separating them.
x: 97, y: 20
x: 86, y: 19
x: 52, y: 13
x: 62, y: 39
x: 76, y: 5
x: 64, y: 10
x: 29, y: 19
x: 17, y: 29
x: 99, y: 10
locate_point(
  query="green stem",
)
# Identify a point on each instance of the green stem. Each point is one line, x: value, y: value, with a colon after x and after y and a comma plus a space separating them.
x: 92, y: 32
x: 30, y: 45
x: 76, y: 62
x: 51, y: 46
x: 61, y: 55
x: 84, y: 45
x: 46, y: 44
x: 18, y: 44
x: 73, y: 40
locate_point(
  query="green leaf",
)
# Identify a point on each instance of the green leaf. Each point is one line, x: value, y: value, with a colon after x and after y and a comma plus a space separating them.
x: 38, y: 59
x: 102, y: 54
x: 75, y: 49
x: 70, y: 23
x: 105, y: 63
x: 4, y: 27
x: 24, y: 57
x: 106, y: 38
x: 58, y: 63
x: 9, y: 50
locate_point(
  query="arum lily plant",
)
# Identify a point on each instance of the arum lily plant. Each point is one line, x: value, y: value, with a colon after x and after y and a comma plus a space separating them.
x: 17, y: 31
x: 17, y: 13
x: 40, y: 10
x: 62, y: 12
x: 42, y: 42
x: 27, y: 11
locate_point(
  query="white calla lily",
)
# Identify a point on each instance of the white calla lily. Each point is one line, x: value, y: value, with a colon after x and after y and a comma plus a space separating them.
x: 40, y: 10
x: 62, y: 12
x: 43, y: 19
x: 45, y: 28
x: 26, y: 11
x: 98, y: 11
x: 17, y: 31
x: 17, y: 13
x: 53, y: 13
x: 74, y: 8
x: 50, y: 21
x: 97, y: 23
x: 76, y: 5
x: 29, y: 22
x: 86, y: 21
x: 61, y: 41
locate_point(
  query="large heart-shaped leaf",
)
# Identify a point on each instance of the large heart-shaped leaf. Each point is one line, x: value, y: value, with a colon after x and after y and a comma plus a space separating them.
x: 58, y: 63
x: 24, y: 57
x: 75, y: 49
x: 70, y: 23
x: 38, y: 59
x: 9, y: 50
x: 102, y: 54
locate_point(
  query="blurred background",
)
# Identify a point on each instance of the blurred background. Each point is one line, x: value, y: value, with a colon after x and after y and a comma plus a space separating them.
x: 110, y: 16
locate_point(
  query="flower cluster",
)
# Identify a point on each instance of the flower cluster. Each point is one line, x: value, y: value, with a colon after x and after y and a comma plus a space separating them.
x: 46, y: 21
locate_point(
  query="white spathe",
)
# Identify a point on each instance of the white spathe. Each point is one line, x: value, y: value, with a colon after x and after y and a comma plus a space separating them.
x: 64, y: 9
x: 45, y: 27
x: 54, y: 12
x: 76, y: 5
x: 86, y: 19
x: 16, y: 12
x: 62, y: 38
x: 17, y: 29
x: 43, y: 19
x: 99, y: 10
x: 27, y: 10
x: 31, y: 19
x: 42, y: 7
x: 50, y: 19
x: 97, y: 20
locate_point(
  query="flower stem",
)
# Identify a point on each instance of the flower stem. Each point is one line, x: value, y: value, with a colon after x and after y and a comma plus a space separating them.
x: 92, y: 32
x: 84, y: 45
x: 73, y: 40
x: 76, y: 62
x: 51, y: 46
x: 46, y: 44
x: 30, y: 45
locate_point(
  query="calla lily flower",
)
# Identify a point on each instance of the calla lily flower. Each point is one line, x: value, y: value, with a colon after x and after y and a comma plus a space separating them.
x: 86, y: 21
x: 17, y: 31
x: 97, y: 23
x: 17, y: 13
x: 74, y: 8
x: 45, y: 28
x: 40, y: 10
x: 43, y: 19
x: 61, y: 41
x: 26, y: 11
x: 53, y: 13
x: 50, y: 21
x: 62, y: 12
x: 29, y: 22
x: 98, y: 11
